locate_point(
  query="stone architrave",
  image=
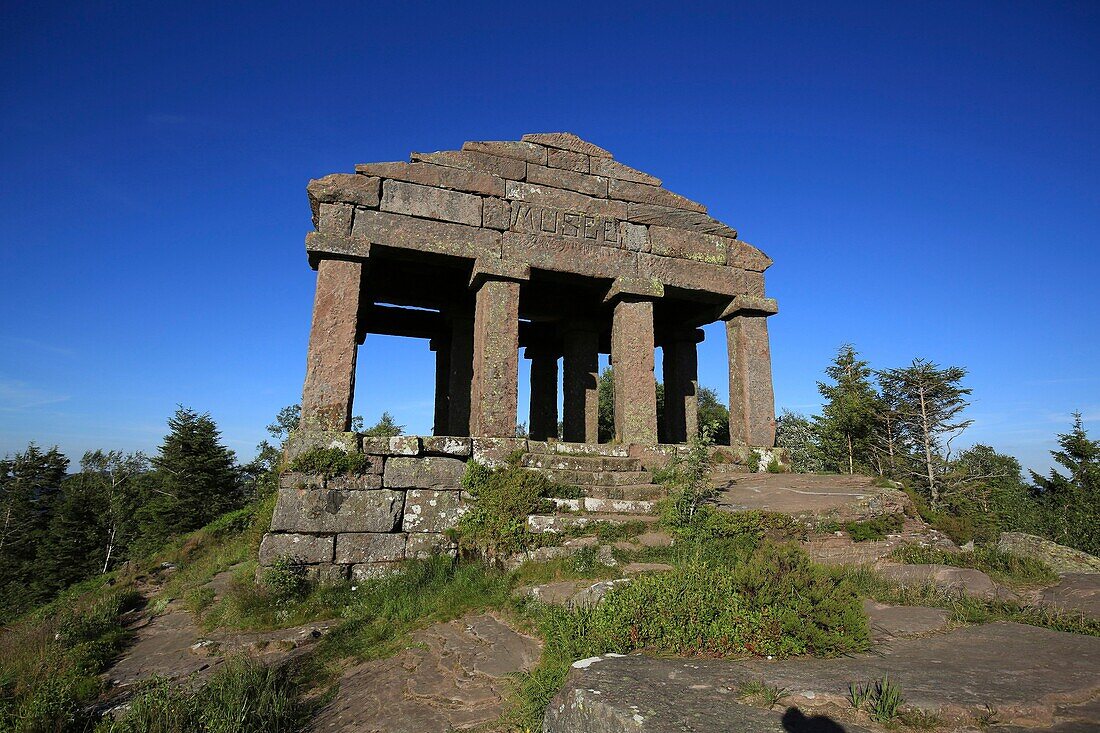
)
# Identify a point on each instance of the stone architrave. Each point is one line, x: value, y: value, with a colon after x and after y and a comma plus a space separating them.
x: 632, y: 367
x: 544, y: 394
x: 462, y: 371
x: 681, y: 378
x: 330, y: 361
x: 752, y: 401
x: 580, y: 385
x: 494, y: 390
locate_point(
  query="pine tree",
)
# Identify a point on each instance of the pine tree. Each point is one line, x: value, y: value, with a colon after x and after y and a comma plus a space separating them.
x: 848, y: 415
x: 386, y: 427
x: 1071, y: 504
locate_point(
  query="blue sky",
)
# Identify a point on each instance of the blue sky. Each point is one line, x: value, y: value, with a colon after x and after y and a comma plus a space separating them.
x: 925, y: 175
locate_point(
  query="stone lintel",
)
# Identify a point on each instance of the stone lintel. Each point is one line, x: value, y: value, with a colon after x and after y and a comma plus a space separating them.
x: 635, y: 288
x: 330, y: 246
x: 425, y: 235
x: 566, y: 141
x: 440, y: 176
x: 749, y: 305
x: 486, y: 268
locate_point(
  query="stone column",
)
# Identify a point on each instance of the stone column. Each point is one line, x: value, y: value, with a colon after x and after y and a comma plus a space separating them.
x: 632, y: 366
x: 494, y: 392
x: 441, y: 345
x: 461, y: 376
x: 752, y: 401
x: 681, y: 377
x: 330, y: 362
x: 544, y: 393
x: 580, y: 385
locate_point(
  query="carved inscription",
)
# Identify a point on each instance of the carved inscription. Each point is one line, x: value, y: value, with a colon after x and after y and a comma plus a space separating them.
x: 528, y: 219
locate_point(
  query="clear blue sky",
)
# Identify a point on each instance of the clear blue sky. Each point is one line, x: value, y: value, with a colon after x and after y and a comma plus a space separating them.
x: 925, y: 175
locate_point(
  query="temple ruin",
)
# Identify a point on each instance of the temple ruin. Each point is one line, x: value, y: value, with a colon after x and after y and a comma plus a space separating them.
x: 548, y: 245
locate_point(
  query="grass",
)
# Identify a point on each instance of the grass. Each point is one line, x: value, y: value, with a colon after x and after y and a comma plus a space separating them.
x: 875, y: 529
x: 1006, y: 567
x: 758, y: 692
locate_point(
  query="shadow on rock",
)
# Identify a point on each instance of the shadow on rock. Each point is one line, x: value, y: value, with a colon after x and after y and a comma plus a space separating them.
x: 795, y: 721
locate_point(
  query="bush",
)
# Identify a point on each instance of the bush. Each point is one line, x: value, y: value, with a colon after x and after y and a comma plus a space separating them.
x: 285, y: 579
x: 710, y: 523
x: 1004, y: 566
x: 495, y: 526
x: 329, y: 462
x: 875, y: 528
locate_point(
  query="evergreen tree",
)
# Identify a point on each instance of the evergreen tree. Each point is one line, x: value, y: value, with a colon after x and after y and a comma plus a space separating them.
x: 386, y: 427
x: 712, y: 412
x: 605, y: 392
x: 1071, y: 503
x: 929, y: 402
x: 72, y: 549
x: 798, y: 435
x: 197, y: 479
x: 848, y: 415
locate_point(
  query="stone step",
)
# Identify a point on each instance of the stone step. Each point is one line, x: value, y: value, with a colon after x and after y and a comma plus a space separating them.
x: 645, y: 492
x: 578, y: 449
x: 596, y: 478
x: 559, y: 462
x: 540, y: 523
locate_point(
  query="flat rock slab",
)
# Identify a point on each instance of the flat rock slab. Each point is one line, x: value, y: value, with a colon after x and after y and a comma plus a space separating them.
x: 1076, y: 592
x: 959, y: 580
x: 453, y: 676
x: 900, y: 622
x: 163, y: 645
x: 613, y: 694
x: 843, y: 498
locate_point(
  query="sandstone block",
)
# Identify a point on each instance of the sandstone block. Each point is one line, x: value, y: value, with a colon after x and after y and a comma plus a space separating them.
x: 432, y: 203
x: 343, y: 188
x: 302, y: 548
x: 373, y: 571
x: 327, y: 574
x: 529, y: 152
x: 327, y: 510
x: 399, y: 445
x: 330, y: 358
x: 406, y: 232
x: 681, y: 218
x: 431, y: 511
x: 493, y: 452
x: 361, y: 547
x: 580, y: 182
x: 614, y: 169
x: 689, y: 245
x: 566, y: 141
x: 643, y: 194
x: 567, y: 160
x: 690, y: 275
x: 422, y: 545
x: 447, y: 446
x: 361, y: 482
x: 319, y: 244
x: 295, y: 480
x: 744, y: 255
x: 335, y: 219
x: 634, y: 286
x: 565, y: 254
x: 440, y: 176
x: 505, y: 167
x: 427, y: 472
x: 496, y: 213
x: 634, y: 237
x: 562, y: 200
x: 303, y: 441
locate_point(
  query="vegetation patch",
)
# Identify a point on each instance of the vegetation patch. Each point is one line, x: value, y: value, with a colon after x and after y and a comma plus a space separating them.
x: 495, y: 526
x: 329, y: 462
x: 875, y: 529
x: 1006, y: 567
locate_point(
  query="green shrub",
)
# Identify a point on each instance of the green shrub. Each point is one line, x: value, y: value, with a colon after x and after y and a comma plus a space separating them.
x: 495, y: 525
x: 774, y: 466
x: 688, y: 479
x: 329, y: 462
x: 1003, y: 566
x: 875, y: 528
x: 285, y: 579
x: 710, y: 522
x: 752, y: 462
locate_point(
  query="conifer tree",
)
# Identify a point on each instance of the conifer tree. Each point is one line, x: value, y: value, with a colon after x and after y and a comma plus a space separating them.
x: 848, y: 415
x: 1071, y: 503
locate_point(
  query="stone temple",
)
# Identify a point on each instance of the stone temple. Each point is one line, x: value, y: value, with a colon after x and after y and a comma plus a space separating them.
x: 546, y: 245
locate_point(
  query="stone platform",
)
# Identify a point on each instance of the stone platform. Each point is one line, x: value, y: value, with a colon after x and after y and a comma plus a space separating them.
x: 809, y: 497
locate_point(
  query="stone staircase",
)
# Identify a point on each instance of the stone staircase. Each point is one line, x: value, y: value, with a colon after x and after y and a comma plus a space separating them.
x: 609, y: 479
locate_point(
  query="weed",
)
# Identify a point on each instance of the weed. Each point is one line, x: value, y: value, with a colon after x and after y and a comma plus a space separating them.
x: 881, y: 699
x: 329, y: 462
x: 286, y: 579
x: 762, y: 693
x: 752, y: 462
x: 584, y: 561
x: 987, y: 716
x: 918, y: 718
x: 774, y: 466
x: 495, y: 526
x: 858, y: 695
x: 876, y: 528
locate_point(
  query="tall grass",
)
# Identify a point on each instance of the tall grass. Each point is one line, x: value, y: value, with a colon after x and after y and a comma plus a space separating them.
x: 1006, y: 567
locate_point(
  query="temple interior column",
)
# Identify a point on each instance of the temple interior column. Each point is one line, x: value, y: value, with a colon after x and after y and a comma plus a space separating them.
x: 681, y: 380
x: 752, y: 401
x: 462, y: 370
x: 632, y: 366
x: 494, y: 392
x: 441, y: 345
x: 580, y: 385
x: 543, y: 422
x: 330, y: 362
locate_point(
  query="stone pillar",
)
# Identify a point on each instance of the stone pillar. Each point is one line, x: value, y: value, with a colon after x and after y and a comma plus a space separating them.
x: 580, y: 385
x: 544, y: 393
x: 461, y: 376
x: 493, y: 393
x: 681, y: 377
x: 441, y: 345
x: 752, y: 401
x: 632, y: 366
x: 330, y: 362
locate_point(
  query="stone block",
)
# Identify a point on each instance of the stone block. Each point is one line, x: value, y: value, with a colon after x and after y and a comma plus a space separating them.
x: 528, y: 152
x: 335, y: 219
x: 346, y: 188
x: 327, y: 574
x: 303, y: 441
x: 422, y: 545
x: 562, y: 200
x: 440, y: 176
x: 566, y: 141
x: 302, y: 548
x: 634, y: 286
x: 319, y: 244
x: 432, y: 203
x: 361, y: 482
x: 496, y: 213
x: 744, y: 255
x: 643, y: 194
x: 426, y: 472
x: 328, y: 510
x: 681, y: 218
x: 406, y: 232
x: 614, y: 169
x: 445, y: 445
x: 690, y: 275
x: 567, y: 160
x: 689, y: 245
x: 747, y: 304
x: 398, y: 445
x: 558, y: 178
x: 494, y: 452
x: 374, y: 571
x: 360, y: 547
x: 564, y: 254
x: 476, y: 160
x: 296, y: 480
x: 431, y: 511
x: 634, y: 237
